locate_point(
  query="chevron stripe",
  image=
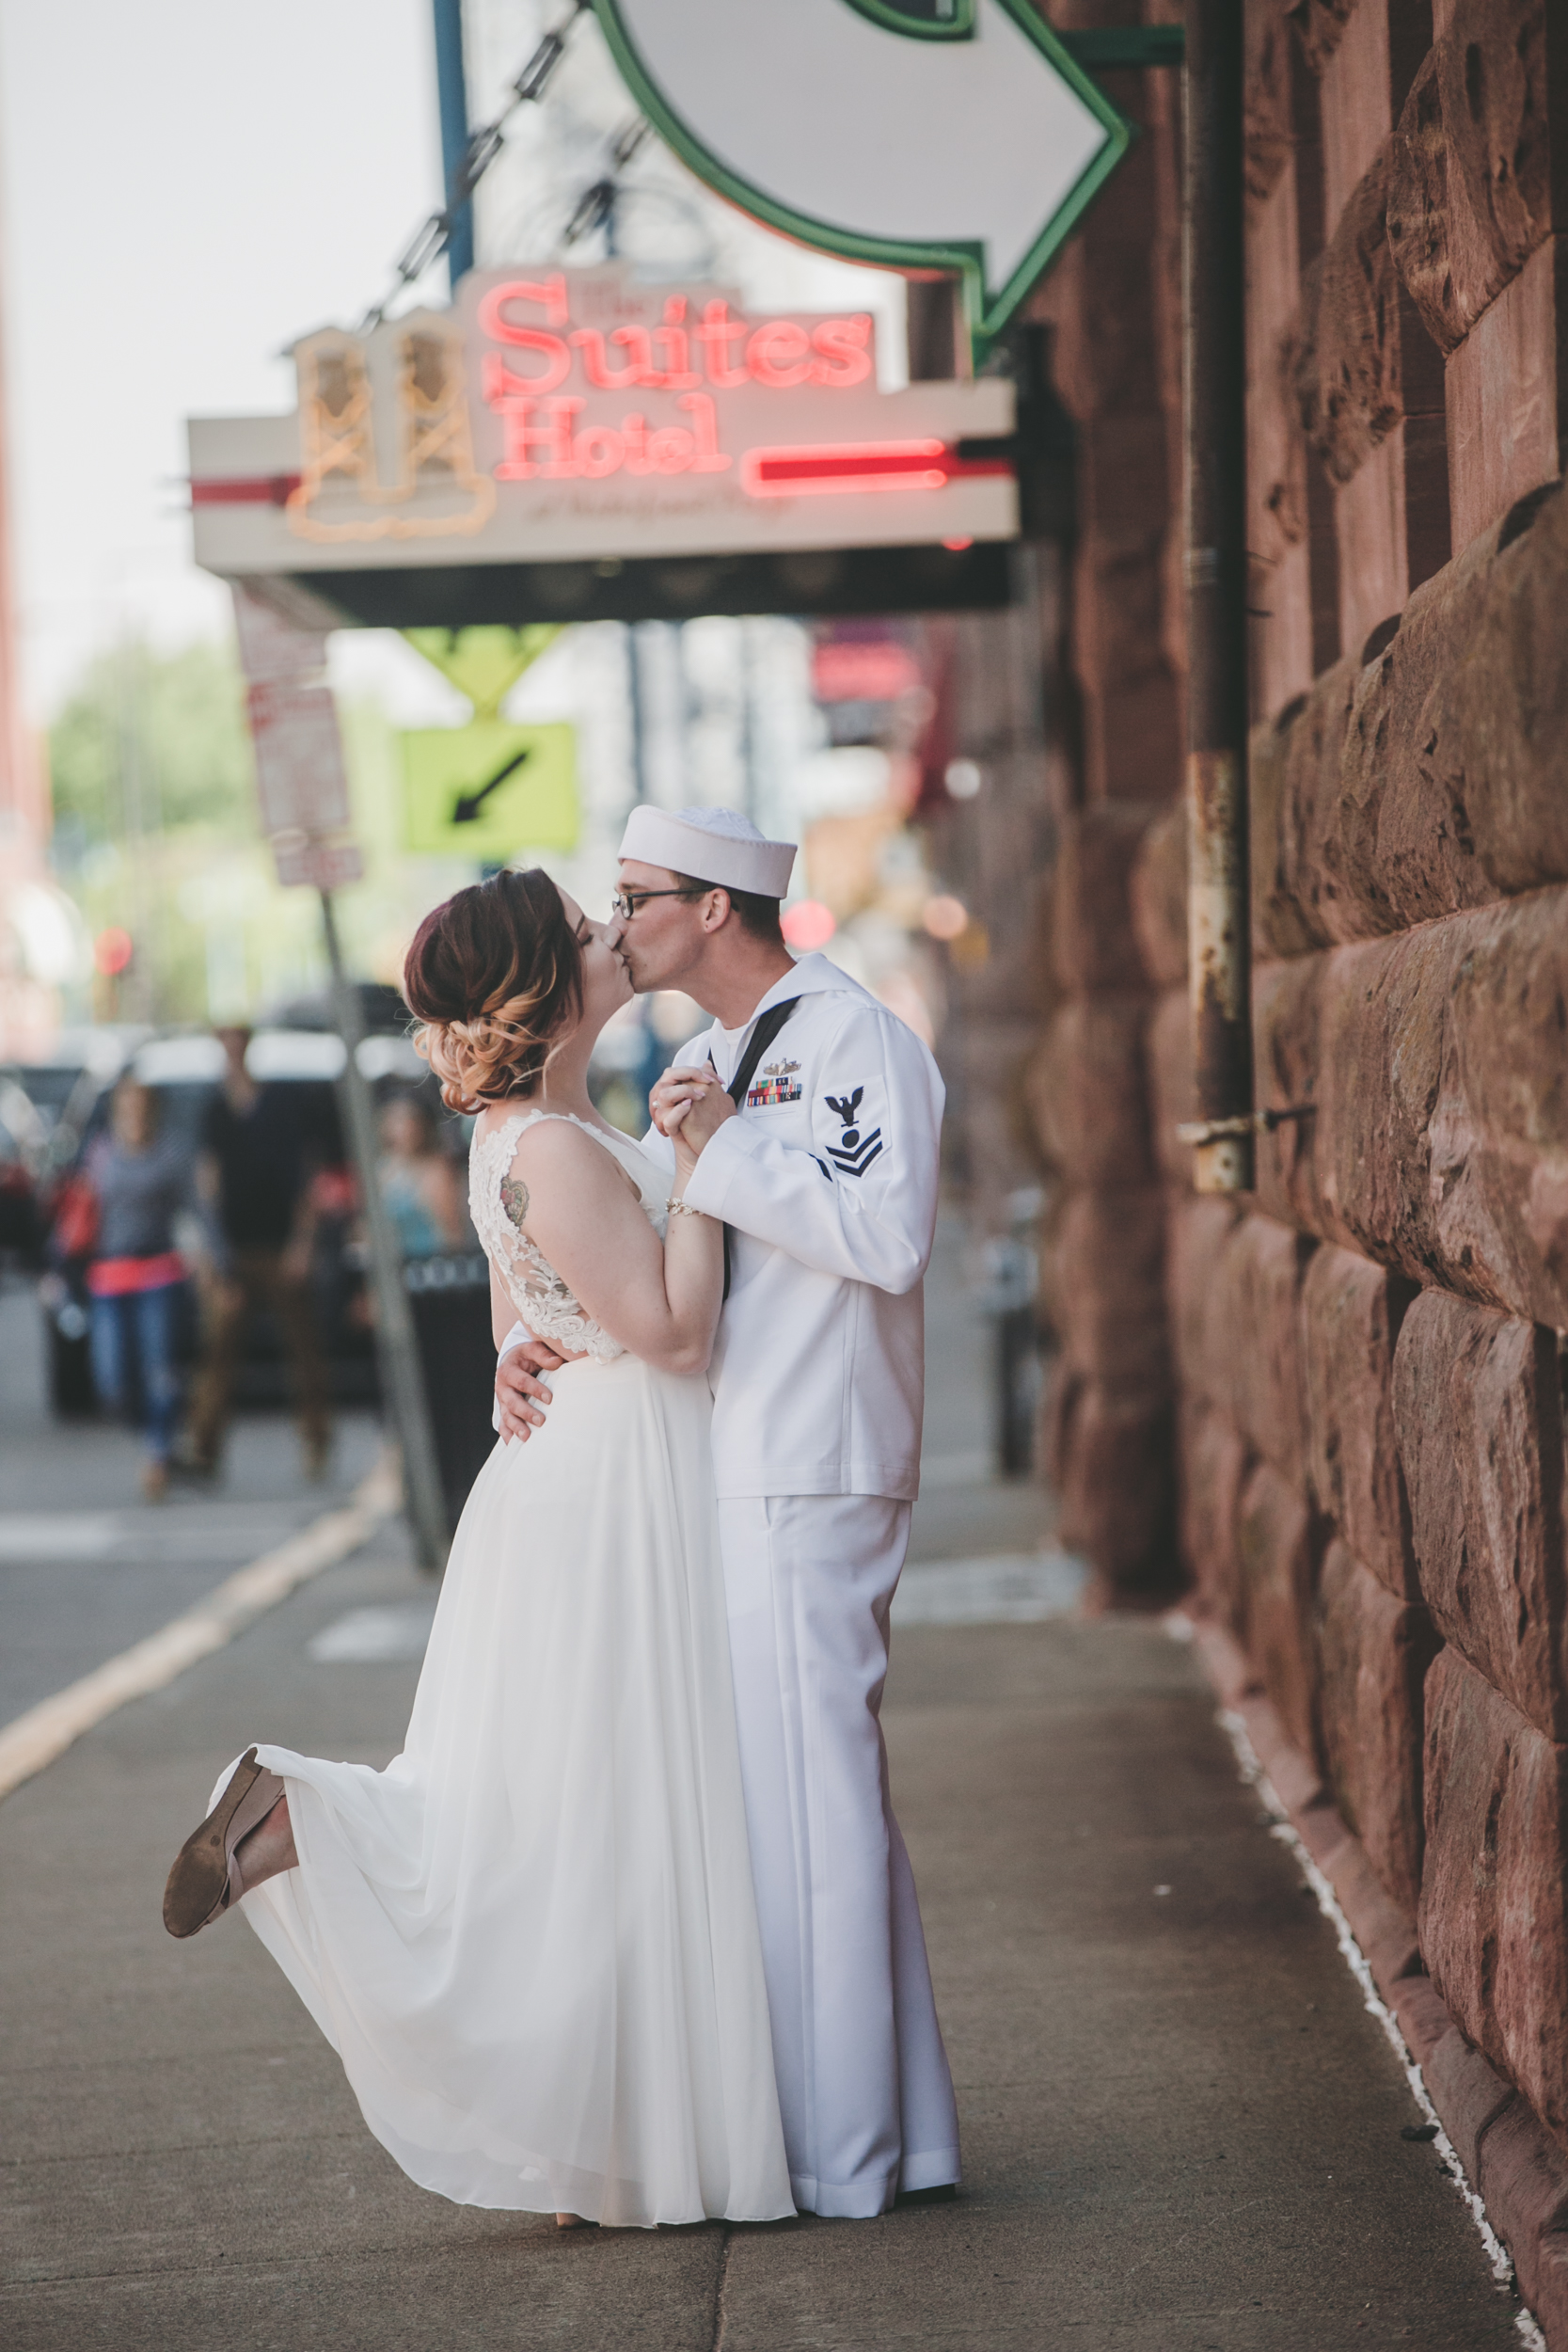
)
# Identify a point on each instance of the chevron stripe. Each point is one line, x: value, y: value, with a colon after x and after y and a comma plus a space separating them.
x: 855, y: 1163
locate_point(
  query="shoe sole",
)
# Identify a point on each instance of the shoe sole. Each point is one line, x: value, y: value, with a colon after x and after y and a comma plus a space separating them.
x: 197, y: 1886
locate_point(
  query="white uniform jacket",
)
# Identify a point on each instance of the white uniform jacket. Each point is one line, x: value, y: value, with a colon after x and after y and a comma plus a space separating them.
x: 828, y: 1180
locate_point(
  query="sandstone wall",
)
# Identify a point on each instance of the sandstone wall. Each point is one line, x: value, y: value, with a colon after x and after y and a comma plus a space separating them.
x: 1367, y: 1353
x: 1337, y: 1406
x: 1114, y: 303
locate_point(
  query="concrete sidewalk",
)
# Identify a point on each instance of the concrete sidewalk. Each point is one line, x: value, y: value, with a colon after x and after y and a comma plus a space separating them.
x: 1181, y: 2129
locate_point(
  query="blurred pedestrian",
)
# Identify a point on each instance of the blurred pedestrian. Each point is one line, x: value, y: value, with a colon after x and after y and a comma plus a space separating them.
x: 424, y: 1192
x: 255, y: 1172
x: 136, y: 1278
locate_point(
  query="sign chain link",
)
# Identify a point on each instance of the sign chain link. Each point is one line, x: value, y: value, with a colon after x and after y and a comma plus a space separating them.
x: 431, y: 239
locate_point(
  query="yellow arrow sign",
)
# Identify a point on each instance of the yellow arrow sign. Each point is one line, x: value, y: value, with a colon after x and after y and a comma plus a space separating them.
x: 484, y: 662
x: 489, y: 789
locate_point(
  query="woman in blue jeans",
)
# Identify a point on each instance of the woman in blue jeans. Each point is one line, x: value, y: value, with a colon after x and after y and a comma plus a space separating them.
x: 142, y: 1182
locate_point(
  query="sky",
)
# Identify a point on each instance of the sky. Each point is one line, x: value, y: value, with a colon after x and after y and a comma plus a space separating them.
x: 187, y: 188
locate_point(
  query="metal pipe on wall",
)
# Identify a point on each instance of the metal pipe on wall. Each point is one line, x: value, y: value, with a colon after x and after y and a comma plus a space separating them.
x: 1218, y: 913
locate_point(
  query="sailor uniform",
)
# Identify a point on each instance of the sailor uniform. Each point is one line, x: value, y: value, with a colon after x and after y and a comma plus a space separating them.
x: 828, y: 1181
x: 819, y: 1370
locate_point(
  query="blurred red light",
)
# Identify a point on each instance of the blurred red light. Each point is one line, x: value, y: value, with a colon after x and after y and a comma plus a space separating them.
x: 807, y: 925
x: 874, y: 670
x: 112, y: 951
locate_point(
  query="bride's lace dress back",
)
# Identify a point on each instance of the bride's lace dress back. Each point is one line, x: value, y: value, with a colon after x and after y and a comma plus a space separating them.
x: 541, y: 1297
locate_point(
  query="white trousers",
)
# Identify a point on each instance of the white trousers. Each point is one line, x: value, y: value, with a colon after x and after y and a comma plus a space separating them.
x: 864, y: 2084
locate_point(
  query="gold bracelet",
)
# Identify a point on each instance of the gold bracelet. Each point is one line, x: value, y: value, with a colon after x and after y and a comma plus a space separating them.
x: 679, y: 1207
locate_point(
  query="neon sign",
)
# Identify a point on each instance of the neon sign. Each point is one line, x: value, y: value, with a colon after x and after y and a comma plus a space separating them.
x: 678, y: 354
x: 695, y: 353
x: 565, y: 414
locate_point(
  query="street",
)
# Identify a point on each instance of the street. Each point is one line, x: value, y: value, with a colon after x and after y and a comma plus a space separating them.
x: 1182, y: 2130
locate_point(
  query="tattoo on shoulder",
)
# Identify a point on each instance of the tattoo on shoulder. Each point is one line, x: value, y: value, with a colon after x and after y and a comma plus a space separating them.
x: 514, y: 1200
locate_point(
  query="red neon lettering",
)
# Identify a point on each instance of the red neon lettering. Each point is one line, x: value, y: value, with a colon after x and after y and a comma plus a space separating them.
x: 552, y: 447
x: 843, y: 348
x: 501, y: 384
x: 779, y: 355
x: 672, y: 449
x: 845, y: 466
x: 718, y: 334
x: 635, y: 341
x: 678, y: 374
x: 598, y: 450
x: 709, y: 457
x: 634, y: 432
x: 549, y: 292
x: 551, y: 295
x: 522, y: 437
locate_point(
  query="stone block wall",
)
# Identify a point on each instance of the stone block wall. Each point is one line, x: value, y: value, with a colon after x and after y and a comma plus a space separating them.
x: 1367, y: 1352
x: 1114, y: 304
x: 1337, y: 1406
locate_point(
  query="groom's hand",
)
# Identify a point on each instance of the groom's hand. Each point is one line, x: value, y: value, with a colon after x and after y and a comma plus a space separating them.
x: 676, y: 1090
x: 691, y: 1104
x: 519, y: 1393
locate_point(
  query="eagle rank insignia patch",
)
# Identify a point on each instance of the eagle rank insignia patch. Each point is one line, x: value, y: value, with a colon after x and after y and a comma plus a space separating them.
x: 855, y: 1149
x: 777, y: 1082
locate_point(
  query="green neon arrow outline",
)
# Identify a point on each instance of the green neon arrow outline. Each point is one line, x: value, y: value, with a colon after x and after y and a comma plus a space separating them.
x: 958, y: 26
x: 988, y: 314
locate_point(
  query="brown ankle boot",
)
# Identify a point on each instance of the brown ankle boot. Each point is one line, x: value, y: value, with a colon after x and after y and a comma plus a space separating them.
x: 206, y: 1876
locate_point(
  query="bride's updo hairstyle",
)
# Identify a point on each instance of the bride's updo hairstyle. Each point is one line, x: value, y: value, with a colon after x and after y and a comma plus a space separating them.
x: 493, y: 975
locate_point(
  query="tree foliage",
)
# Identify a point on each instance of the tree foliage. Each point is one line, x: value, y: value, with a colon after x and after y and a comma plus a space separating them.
x: 167, y: 729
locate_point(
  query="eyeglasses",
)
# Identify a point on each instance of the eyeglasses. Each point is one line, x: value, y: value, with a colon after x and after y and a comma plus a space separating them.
x: 625, y: 902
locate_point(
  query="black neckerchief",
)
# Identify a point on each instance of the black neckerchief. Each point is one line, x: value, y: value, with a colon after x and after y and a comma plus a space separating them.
x: 767, y: 1029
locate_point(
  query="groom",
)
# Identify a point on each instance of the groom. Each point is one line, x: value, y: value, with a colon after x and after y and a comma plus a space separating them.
x: 817, y: 1115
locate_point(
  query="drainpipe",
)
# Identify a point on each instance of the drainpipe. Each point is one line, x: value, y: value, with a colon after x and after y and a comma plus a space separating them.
x: 1218, y: 915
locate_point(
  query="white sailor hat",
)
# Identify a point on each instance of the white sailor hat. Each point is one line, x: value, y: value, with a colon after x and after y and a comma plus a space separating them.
x: 712, y: 845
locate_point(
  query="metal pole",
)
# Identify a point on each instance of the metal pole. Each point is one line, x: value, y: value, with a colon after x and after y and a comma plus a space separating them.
x: 451, y: 93
x: 402, y: 1377
x: 1218, y: 919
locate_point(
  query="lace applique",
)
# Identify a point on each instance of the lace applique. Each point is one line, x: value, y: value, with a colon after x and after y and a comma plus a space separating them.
x: 541, y: 1297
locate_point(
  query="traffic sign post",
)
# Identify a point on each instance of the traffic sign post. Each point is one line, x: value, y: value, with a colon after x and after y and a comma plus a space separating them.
x: 489, y: 789
x: 302, y: 789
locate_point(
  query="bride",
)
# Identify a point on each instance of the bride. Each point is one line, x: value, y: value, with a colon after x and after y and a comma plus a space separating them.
x: 532, y: 1939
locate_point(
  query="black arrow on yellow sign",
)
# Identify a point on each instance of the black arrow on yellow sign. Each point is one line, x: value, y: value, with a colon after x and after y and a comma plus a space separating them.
x: 468, y: 806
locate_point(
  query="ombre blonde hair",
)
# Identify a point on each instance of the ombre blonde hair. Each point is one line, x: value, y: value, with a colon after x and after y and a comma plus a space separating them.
x: 494, y: 976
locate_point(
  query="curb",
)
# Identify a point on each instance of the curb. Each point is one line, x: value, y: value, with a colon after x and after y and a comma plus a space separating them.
x: 1519, y: 2172
x: 45, y: 1731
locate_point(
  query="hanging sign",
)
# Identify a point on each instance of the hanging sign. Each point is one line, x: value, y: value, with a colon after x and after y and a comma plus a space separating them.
x: 561, y: 416
x: 489, y: 789
x: 955, y: 136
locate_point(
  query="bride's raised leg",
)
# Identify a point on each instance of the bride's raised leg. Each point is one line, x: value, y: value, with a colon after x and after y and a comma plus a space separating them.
x: 208, y: 1874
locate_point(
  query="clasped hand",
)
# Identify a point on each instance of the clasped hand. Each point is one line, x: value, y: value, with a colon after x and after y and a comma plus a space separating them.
x: 689, y: 1106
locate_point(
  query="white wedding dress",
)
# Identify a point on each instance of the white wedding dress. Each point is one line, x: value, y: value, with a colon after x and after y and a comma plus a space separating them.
x: 532, y: 1939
